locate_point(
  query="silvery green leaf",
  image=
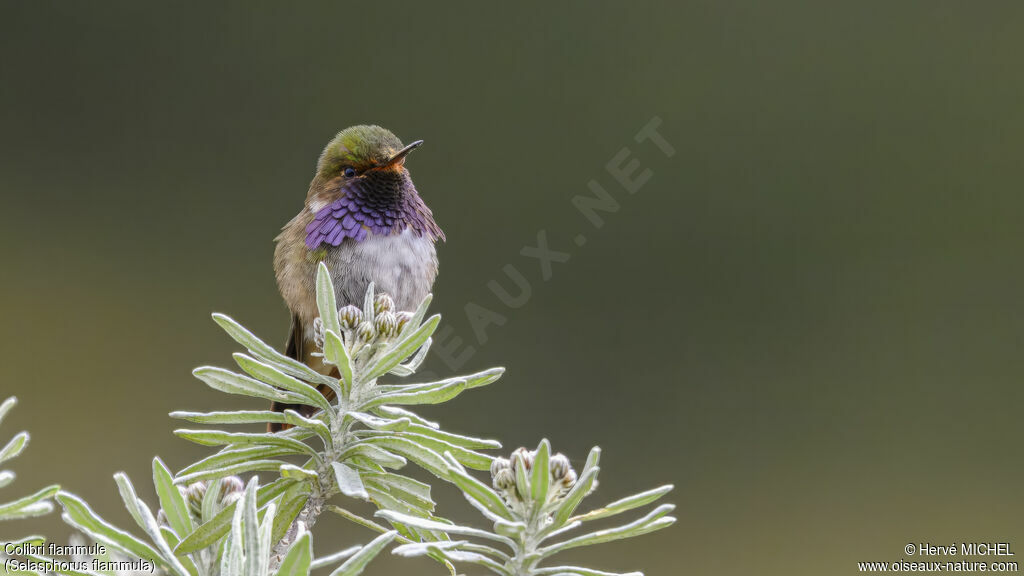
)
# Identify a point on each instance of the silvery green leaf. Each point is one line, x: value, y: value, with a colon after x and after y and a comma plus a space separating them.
x: 234, y: 561
x: 232, y: 456
x: 325, y: 300
x: 396, y: 412
x: 269, y: 492
x: 297, y: 561
x: 232, y: 470
x: 217, y: 438
x: 579, y: 490
x: 32, y: 505
x: 383, y: 458
x: 368, y: 300
x: 513, y: 530
x: 423, y: 548
x: 406, y: 488
x: 479, y: 494
x: 208, y: 533
x: 321, y: 429
x: 541, y: 476
x: 172, y: 541
x: 131, y: 500
x: 234, y: 417
x: 171, y: 500
x: 579, y: 571
x: 380, y: 423
x: 78, y: 514
x: 7, y: 406
x: 626, y: 504
x: 291, y: 503
x: 434, y: 395
x: 335, y: 353
x: 171, y: 562
x: 349, y: 482
x: 357, y: 519
x: 418, y: 315
x: 402, y: 349
x: 476, y: 380
x: 427, y: 459
x: 522, y: 479
x: 325, y: 561
x: 265, y: 352
x: 231, y: 383
x: 572, y: 525
x: 297, y: 473
x: 144, y: 517
x: 449, y: 388
x: 355, y: 565
x: 475, y: 558
x: 245, y: 528
x: 270, y: 375
x: 26, y: 511
x: 211, y: 502
x: 14, y: 447
x: 390, y: 501
x: 414, y: 363
x: 655, y: 520
x: 6, y: 477
x: 435, y: 526
x: 465, y: 456
x: 454, y: 439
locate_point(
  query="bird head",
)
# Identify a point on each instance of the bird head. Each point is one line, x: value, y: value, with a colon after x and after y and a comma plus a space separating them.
x: 362, y: 187
x: 364, y: 151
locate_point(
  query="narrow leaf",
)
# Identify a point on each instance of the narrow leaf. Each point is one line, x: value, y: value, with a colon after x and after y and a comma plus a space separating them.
x: 626, y: 504
x: 349, y: 482
x: 541, y: 474
x: 325, y: 299
x: 402, y: 349
x: 355, y: 565
x: 171, y: 500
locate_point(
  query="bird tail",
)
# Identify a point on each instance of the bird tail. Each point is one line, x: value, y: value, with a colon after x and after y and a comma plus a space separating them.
x: 295, y: 349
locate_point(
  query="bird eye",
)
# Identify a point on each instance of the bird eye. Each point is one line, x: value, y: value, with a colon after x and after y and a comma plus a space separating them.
x: 349, y: 172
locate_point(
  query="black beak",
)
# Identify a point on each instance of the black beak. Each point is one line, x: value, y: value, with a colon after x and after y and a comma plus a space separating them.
x: 401, y: 154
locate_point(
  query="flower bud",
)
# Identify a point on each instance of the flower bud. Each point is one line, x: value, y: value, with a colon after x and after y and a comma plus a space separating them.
x: 365, y: 332
x: 350, y: 316
x: 230, y: 499
x: 499, y: 464
x: 386, y: 324
x: 195, y: 493
x: 522, y: 455
x: 383, y: 303
x: 559, y: 466
x: 569, y: 480
x: 230, y: 485
x: 505, y: 481
x: 403, y: 319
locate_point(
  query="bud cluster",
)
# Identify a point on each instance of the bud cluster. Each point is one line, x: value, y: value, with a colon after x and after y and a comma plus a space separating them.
x: 358, y: 332
x: 511, y: 478
x: 229, y: 490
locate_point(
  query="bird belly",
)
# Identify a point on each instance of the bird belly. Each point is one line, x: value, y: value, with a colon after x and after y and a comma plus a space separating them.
x: 402, y: 265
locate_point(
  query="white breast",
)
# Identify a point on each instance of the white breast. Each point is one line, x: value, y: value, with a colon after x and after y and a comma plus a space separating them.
x: 402, y: 265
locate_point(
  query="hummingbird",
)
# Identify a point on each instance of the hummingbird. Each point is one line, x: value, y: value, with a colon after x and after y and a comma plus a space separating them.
x: 365, y: 220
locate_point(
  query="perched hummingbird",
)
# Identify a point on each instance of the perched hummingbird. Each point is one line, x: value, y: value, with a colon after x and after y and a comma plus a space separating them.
x: 365, y: 220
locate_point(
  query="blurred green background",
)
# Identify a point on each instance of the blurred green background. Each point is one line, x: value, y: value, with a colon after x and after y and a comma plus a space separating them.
x: 810, y: 319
